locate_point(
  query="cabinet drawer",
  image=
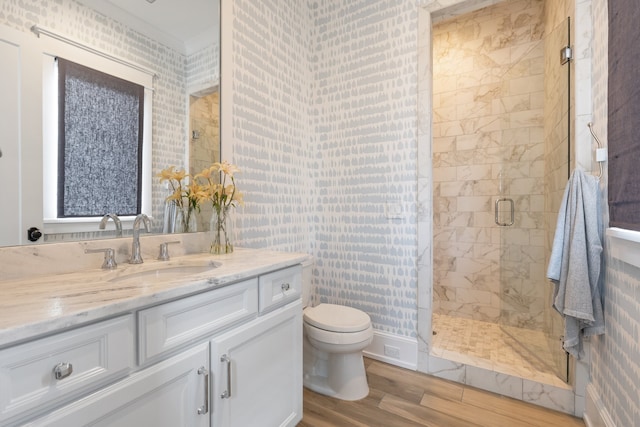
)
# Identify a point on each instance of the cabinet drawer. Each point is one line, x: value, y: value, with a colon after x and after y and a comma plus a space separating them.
x: 280, y: 287
x: 95, y: 354
x: 168, y: 326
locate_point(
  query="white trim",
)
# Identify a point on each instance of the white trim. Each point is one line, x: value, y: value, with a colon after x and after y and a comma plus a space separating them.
x: 407, y: 350
x: 38, y: 30
x: 595, y: 413
x: 226, y: 82
x: 51, y: 223
x: 624, y: 245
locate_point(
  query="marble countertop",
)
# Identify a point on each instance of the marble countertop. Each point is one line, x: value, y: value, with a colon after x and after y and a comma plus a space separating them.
x: 30, y: 307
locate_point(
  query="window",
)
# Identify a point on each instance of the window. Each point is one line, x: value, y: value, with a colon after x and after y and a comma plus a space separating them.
x: 92, y: 164
x: 100, y: 134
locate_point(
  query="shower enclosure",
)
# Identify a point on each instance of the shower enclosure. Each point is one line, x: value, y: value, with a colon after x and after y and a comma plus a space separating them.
x: 501, y: 160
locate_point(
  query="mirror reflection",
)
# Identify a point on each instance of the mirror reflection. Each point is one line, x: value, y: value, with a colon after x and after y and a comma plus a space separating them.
x: 177, y: 41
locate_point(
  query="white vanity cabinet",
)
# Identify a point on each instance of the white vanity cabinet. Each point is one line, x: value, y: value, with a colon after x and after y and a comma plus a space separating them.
x: 257, y: 371
x: 213, y: 358
x: 169, y: 394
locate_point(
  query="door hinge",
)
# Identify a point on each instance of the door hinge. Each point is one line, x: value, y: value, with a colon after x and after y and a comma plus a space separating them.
x: 566, y: 55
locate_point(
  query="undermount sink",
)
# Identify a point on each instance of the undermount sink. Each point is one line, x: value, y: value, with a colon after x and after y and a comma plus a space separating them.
x: 167, y: 272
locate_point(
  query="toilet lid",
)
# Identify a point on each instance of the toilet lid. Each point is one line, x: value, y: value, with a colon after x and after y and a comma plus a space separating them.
x: 337, y: 318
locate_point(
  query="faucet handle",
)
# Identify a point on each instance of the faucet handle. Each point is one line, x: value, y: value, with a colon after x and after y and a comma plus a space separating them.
x: 109, y: 257
x: 164, y: 250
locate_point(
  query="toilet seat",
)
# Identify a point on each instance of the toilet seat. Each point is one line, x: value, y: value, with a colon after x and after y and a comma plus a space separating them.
x: 337, y: 318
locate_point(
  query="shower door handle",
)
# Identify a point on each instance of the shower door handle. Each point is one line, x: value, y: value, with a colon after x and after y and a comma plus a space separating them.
x: 497, y: 211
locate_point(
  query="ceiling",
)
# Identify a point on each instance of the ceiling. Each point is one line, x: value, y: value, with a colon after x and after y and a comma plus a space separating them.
x: 184, y: 25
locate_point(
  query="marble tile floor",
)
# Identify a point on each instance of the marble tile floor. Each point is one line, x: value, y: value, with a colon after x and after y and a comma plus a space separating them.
x: 492, y: 346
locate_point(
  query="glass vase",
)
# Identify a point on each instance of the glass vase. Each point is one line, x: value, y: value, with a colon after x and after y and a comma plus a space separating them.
x: 221, y: 231
x: 186, y: 220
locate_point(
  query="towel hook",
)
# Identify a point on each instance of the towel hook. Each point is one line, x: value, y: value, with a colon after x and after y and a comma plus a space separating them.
x: 601, y: 153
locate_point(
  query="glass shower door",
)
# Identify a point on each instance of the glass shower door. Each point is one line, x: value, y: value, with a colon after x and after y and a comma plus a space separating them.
x: 532, y: 178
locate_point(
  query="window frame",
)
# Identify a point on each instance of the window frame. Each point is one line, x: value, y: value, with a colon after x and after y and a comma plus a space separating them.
x: 52, y: 224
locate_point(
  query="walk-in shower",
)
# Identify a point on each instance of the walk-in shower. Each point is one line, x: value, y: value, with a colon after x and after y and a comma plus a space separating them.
x: 501, y: 132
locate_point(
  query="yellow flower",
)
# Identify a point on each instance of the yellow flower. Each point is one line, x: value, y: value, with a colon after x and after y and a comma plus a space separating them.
x: 204, y: 186
x: 166, y: 174
x: 226, y: 168
x: 238, y: 197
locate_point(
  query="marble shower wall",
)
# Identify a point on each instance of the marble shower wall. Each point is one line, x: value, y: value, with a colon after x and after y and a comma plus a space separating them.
x: 204, y: 145
x: 488, y: 98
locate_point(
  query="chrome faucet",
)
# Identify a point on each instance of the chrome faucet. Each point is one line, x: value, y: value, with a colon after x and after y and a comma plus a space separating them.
x: 116, y: 221
x: 136, y: 257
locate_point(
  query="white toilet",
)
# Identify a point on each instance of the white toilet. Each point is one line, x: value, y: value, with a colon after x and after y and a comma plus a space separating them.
x: 334, y: 337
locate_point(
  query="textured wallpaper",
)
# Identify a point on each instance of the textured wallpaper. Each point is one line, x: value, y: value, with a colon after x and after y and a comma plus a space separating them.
x: 271, y: 127
x: 364, y: 106
x: 615, y: 356
x: 325, y: 134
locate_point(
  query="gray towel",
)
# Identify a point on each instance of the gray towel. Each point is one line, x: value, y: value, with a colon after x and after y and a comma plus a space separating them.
x: 575, y: 263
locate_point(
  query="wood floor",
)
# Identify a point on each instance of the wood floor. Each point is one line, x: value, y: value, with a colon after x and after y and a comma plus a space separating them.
x: 399, y: 397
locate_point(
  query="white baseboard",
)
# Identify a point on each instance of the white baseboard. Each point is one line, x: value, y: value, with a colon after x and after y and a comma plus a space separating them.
x: 400, y: 351
x: 595, y: 414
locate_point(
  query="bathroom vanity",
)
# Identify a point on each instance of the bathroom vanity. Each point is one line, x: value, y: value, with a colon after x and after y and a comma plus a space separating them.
x: 198, y: 340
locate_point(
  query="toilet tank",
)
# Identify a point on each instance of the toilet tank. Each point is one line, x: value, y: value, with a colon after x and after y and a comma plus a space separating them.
x: 307, y: 277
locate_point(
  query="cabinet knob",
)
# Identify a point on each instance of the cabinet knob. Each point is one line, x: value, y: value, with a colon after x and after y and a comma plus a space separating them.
x: 62, y: 370
x: 285, y: 287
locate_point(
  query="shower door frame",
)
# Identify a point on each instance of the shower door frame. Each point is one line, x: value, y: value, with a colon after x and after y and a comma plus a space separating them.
x: 557, y: 167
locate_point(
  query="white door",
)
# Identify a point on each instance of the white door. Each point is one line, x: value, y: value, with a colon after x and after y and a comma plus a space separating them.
x: 9, y: 141
x: 20, y: 135
x: 169, y: 394
x: 257, y: 371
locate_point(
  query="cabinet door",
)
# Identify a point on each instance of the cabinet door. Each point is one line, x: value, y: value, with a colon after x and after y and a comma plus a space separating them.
x: 171, y: 393
x: 257, y: 370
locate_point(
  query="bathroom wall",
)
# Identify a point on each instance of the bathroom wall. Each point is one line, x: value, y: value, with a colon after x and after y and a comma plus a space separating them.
x: 488, y: 142
x: 87, y: 26
x: 203, y: 68
x: 363, y: 109
x: 615, y: 356
x: 324, y: 131
x: 269, y: 128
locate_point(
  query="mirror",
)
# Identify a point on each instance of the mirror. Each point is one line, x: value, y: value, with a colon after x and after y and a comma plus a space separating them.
x: 180, y: 43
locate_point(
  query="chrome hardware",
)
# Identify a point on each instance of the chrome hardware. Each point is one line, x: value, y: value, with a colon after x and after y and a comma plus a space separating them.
x: 62, y: 370
x: 285, y: 287
x: 116, y: 221
x: 109, y: 257
x: 136, y: 257
x: 204, y: 408
x: 227, y: 393
x: 566, y: 55
x: 164, y: 250
x: 497, y: 212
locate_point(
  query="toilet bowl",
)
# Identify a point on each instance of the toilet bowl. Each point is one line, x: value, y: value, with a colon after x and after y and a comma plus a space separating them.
x: 335, y: 336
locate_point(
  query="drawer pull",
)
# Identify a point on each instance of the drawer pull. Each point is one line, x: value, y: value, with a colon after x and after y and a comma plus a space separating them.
x: 204, y: 408
x: 62, y: 370
x: 285, y: 287
x: 227, y: 393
